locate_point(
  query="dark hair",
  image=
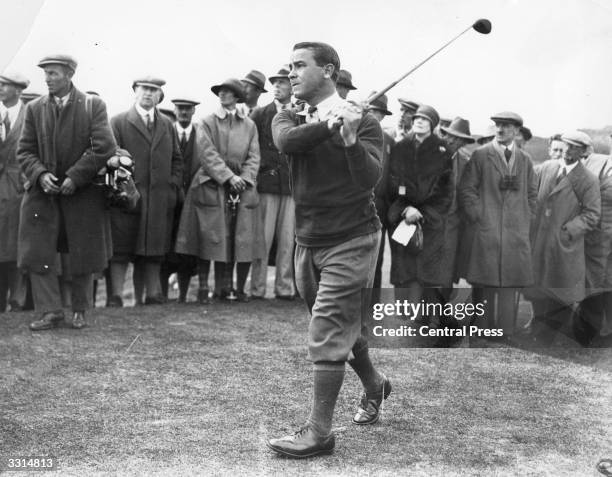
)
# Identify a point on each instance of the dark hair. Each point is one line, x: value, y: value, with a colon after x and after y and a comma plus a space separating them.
x: 526, y: 133
x: 323, y: 54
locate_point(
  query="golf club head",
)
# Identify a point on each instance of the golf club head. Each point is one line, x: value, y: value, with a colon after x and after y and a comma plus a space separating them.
x: 482, y: 26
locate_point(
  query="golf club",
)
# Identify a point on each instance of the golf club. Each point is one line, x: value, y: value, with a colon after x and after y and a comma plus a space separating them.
x: 481, y: 26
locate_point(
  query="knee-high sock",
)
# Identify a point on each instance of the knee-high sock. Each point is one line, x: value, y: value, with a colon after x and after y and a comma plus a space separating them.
x: 362, y: 365
x: 328, y: 377
x: 117, y: 273
x: 203, y: 270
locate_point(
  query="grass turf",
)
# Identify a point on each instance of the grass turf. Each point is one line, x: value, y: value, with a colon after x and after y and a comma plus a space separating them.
x: 190, y: 390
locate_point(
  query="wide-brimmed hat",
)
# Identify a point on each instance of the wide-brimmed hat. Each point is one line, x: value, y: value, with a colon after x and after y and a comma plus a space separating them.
x: 234, y: 85
x: 283, y: 73
x: 61, y: 59
x: 345, y: 78
x: 459, y: 127
x: 256, y: 78
x: 488, y: 135
x: 429, y: 113
x: 380, y: 104
x: 577, y: 138
x: 526, y: 133
x: 15, y: 79
x: 508, y: 117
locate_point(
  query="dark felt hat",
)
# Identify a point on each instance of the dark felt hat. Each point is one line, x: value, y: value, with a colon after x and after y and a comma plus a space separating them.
x: 380, y: 103
x: 256, y: 78
x: 234, y: 85
x: 345, y: 78
x: 428, y: 113
x: 283, y: 73
x: 459, y: 127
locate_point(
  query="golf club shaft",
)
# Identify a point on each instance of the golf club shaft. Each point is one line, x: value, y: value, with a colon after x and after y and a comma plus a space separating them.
x: 384, y: 90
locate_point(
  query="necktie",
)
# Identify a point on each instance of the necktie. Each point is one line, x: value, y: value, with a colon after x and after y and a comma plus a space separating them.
x: 312, y: 114
x: 7, y: 124
x: 561, y: 175
x: 183, y: 141
x: 507, y: 154
x: 149, y: 122
x: 58, y: 106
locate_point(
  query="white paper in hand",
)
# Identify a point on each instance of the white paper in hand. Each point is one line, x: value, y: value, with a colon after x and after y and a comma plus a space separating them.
x: 403, y: 233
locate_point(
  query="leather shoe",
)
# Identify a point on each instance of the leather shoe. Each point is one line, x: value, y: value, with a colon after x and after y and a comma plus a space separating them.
x: 304, y: 443
x: 285, y: 297
x: 78, y: 320
x: 155, y: 300
x: 203, y: 298
x: 114, y: 301
x: 47, y: 321
x: 369, y: 410
x: 242, y: 297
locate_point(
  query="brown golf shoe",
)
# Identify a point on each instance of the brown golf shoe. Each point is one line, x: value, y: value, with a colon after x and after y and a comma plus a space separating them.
x: 304, y: 443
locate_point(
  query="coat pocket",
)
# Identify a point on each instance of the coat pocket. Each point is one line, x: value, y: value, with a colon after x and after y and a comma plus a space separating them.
x: 208, y: 194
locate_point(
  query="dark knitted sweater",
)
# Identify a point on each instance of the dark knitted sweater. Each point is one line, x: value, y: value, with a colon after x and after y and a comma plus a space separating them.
x: 332, y: 184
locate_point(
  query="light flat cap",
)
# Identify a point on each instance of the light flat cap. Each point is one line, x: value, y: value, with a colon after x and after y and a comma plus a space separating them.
x: 185, y: 101
x: 507, y: 117
x: 150, y: 81
x: 409, y: 105
x: 65, y: 60
x: 16, y: 79
x: 577, y: 138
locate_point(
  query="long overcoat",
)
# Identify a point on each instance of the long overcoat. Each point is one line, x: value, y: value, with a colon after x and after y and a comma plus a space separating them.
x: 75, y: 144
x: 229, y: 144
x: 420, y: 177
x: 566, y: 211
x: 598, y: 242
x: 500, y: 252
x: 11, y: 190
x: 158, y: 174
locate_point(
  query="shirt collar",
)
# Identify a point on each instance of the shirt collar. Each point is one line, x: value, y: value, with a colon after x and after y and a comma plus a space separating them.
x: 329, y: 103
x: 279, y: 105
x: 568, y: 168
x: 180, y: 129
x: 503, y: 146
x: 143, y: 112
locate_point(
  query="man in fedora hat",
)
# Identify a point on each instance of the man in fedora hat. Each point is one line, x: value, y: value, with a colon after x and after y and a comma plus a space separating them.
x: 569, y: 206
x: 143, y: 236
x: 183, y: 265
x: 335, y: 162
x: 407, y: 110
x: 65, y: 141
x: 276, y: 221
x: 12, y: 115
x: 345, y: 83
x: 378, y: 108
x: 254, y: 84
x: 456, y: 136
x: 497, y: 192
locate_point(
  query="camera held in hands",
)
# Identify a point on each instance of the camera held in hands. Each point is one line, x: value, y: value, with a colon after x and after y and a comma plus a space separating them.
x: 118, y: 180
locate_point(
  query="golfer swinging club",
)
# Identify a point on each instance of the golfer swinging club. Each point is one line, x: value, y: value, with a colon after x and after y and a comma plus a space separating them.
x: 335, y: 157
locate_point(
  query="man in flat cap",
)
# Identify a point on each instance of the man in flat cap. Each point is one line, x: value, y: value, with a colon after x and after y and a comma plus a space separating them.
x: 66, y: 140
x: 596, y: 309
x: 183, y: 265
x: 569, y: 206
x: 144, y: 235
x: 407, y: 110
x: 498, y: 192
x: 276, y: 221
x: 254, y: 84
x: 344, y: 84
x: 12, y: 115
x: 335, y: 165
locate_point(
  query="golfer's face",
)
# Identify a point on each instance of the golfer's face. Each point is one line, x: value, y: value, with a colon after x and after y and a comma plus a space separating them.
x: 305, y: 76
x: 147, y: 97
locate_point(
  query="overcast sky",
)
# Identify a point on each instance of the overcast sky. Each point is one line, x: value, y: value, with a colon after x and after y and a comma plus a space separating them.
x: 550, y: 61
